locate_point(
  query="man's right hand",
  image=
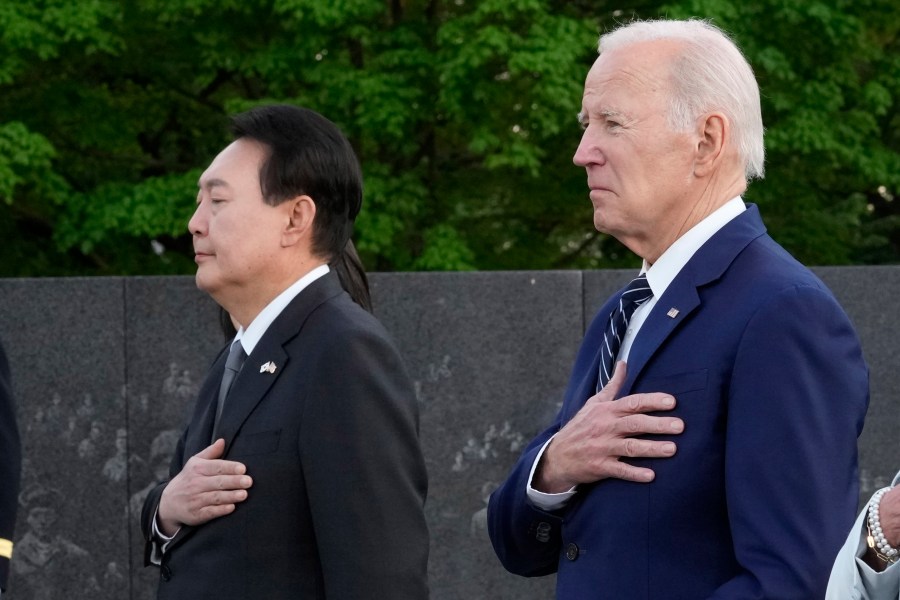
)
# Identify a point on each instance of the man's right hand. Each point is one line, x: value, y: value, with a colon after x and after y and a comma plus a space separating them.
x: 589, y: 447
x: 206, y: 488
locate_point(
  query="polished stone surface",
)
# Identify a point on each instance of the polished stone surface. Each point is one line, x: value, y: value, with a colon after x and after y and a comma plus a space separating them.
x: 172, y: 336
x: 106, y: 370
x: 65, y: 341
x: 868, y: 296
x: 489, y: 354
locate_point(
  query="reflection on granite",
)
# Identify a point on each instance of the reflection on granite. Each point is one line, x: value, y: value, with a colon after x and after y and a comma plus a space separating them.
x: 106, y: 371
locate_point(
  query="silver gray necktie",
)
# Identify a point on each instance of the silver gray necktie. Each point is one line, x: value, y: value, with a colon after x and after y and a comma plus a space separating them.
x: 236, y: 357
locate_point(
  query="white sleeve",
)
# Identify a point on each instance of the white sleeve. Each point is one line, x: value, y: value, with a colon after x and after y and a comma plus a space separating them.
x: 852, y: 579
x: 879, y: 586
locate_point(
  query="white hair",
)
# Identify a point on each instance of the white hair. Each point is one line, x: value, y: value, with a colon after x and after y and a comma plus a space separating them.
x: 710, y: 74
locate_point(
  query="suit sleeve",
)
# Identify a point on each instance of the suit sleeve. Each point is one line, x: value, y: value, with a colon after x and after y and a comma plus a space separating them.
x: 364, y: 470
x: 151, y: 506
x: 10, y: 468
x: 527, y: 540
x: 798, y: 396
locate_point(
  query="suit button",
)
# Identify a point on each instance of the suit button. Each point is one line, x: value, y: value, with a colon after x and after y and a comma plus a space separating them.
x: 543, y: 532
x: 165, y: 572
x: 572, y: 551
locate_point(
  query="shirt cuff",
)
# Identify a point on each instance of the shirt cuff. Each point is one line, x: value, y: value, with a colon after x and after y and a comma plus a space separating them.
x: 541, y: 500
x: 160, y: 541
x: 877, y: 585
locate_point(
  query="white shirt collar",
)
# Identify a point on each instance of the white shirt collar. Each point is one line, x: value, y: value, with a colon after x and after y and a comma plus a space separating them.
x: 250, y: 337
x: 667, y: 267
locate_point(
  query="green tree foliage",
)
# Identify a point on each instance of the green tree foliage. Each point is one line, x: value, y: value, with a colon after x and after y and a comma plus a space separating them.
x: 462, y: 113
x: 829, y: 72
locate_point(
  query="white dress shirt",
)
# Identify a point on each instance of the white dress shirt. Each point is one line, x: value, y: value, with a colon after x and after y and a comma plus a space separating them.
x: 659, y: 276
x: 249, y: 338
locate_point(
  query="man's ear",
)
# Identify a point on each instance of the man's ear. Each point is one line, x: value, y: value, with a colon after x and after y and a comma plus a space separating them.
x: 713, y: 131
x: 301, y: 212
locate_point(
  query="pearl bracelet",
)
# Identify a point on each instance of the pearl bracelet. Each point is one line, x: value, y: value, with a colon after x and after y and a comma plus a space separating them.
x: 876, y: 539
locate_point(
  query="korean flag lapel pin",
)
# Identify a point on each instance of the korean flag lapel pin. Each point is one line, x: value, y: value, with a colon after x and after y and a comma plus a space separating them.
x: 268, y: 367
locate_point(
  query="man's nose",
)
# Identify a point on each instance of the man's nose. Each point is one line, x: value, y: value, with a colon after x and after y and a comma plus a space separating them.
x: 588, y: 151
x: 197, y: 222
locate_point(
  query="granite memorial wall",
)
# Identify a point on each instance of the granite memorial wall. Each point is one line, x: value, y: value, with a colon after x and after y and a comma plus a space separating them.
x: 106, y: 370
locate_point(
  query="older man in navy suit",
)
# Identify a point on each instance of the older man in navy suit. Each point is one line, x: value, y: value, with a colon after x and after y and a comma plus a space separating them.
x: 721, y: 462
x: 300, y: 474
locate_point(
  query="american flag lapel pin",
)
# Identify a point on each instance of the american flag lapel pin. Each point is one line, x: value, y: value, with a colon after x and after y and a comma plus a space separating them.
x: 673, y: 312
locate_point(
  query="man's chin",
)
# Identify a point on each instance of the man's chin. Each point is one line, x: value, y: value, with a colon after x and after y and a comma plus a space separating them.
x: 600, y: 224
x: 203, y: 282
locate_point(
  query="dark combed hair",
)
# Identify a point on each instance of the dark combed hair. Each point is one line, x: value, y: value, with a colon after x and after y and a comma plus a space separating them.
x: 308, y: 154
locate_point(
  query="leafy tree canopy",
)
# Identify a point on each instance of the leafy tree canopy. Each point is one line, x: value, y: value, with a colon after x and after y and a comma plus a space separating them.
x: 462, y: 113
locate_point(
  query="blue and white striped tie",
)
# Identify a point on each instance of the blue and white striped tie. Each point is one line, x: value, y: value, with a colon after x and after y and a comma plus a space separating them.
x: 636, y: 293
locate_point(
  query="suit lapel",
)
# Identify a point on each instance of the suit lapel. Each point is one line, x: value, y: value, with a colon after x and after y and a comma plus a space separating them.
x: 269, y: 359
x: 708, y: 264
x: 586, y: 384
x: 681, y: 295
x: 201, y: 427
x: 250, y: 387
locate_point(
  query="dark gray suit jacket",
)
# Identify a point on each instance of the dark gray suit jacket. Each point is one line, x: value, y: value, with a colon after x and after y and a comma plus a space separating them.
x: 331, y: 441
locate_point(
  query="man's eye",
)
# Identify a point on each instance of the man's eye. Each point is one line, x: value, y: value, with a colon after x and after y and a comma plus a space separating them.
x: 216, y: 200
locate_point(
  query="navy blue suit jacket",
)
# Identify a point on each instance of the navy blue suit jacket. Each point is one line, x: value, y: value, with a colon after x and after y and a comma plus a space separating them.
x: 770, y: 381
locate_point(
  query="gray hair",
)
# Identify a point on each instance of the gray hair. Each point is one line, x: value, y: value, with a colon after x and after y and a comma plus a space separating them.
x: 710, y: 74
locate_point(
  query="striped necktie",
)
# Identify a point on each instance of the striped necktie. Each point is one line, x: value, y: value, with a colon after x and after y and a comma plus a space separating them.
x: 636, y: 293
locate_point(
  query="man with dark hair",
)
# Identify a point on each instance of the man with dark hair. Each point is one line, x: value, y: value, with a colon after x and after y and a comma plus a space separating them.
x: 300, y: 474
x: 10, y: 469
x: 721, y: 463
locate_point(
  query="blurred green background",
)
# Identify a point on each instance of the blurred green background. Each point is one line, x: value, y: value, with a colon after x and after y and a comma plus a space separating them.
x: 462, y: 113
